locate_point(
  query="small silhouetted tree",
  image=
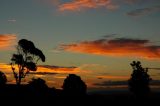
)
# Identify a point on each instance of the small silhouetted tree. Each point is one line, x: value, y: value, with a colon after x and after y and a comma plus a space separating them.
x: 25, y: 59
x: 38, y: 87
x: 74, y: 86
x: 38, y: 84
x: 139, y: 81
x: 3, y: 79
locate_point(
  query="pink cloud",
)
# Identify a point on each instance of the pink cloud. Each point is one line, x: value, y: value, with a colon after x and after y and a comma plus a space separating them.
x: 77, y: 5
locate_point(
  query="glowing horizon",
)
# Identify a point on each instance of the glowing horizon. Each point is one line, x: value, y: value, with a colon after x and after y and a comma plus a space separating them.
x: 95, y: 39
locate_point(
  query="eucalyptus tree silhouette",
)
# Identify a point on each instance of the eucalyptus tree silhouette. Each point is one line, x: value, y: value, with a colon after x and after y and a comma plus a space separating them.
x: 25, y: 59
x: 139, y: 81
x: 74, y: 86
x: 3, y: 79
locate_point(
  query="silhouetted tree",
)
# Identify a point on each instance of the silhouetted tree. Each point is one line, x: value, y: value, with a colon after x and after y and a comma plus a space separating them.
x: 74, y: 86
x: 38, y: 87
x: 38, y: 84
x: 25, y: 59
x: 3, y: 79
x: 139, y: 81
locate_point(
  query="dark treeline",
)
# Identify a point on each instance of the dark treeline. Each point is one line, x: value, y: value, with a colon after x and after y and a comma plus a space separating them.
x: 74, y: 89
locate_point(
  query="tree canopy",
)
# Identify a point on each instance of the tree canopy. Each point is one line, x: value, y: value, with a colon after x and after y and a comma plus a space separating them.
x: 3, y: 79
x: 73, y: 85
x: 139, y: 81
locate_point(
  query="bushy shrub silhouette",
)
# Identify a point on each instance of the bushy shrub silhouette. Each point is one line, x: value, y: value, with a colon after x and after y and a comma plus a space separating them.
x: 3, y: 79
x: 139, y: 81
x: 74, y: 86
x: 38, y: 84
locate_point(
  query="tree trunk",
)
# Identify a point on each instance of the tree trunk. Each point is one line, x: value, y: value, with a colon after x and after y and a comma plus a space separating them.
x: 19, y: 81
x: 19, y: 78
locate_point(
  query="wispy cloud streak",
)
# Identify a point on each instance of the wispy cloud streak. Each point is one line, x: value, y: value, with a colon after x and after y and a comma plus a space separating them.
x: 144, y: 11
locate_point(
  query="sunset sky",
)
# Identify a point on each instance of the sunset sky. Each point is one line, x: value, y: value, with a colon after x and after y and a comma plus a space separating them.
x: 96, y: 39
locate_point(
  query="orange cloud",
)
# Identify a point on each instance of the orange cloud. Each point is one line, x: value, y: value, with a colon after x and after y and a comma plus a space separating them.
x: 7, y: 41
x: 115, y: 47
x: 77, y: 5
x: 60, y: 77
x: 43, y: 69
x: 54, y: 70
x: 57, y: 69
x: 111, y: 77
x: 6, y: 68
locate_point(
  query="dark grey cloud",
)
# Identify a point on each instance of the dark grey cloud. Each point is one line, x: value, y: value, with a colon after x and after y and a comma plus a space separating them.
x: 122, y: 83
x: 111, y: 83
x: 43, y: 73
x: 56, y: 67
x: 144, y: 11
x: 128, y: 41
x: 109, y: 35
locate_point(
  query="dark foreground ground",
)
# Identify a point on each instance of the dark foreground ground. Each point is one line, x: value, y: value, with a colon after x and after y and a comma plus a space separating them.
x: 15, y: 96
